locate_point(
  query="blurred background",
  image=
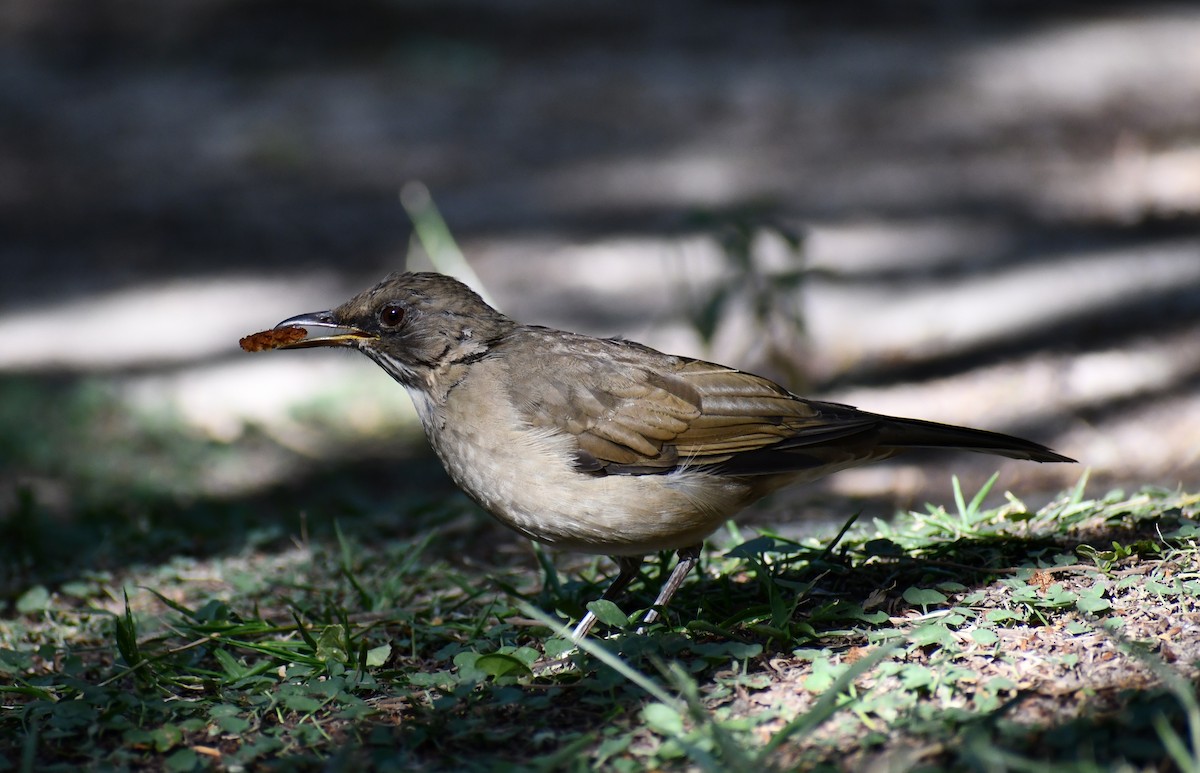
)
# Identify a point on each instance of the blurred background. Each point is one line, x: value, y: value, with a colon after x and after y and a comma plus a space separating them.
x: 973, y: 212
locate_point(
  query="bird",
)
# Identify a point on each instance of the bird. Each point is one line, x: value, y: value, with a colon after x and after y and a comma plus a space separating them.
x: 604, y: 445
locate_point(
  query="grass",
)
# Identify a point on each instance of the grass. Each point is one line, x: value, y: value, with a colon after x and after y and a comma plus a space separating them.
x: 369, y: 619
x: 969, y: 637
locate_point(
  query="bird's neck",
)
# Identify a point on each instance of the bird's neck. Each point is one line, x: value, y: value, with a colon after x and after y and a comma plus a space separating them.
x: 434, y: 385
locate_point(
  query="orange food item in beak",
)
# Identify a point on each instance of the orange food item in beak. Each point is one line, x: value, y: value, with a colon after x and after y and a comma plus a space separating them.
x: 272, y: 339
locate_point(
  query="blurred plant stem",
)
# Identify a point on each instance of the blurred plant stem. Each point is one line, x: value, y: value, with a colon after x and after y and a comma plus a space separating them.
x: 436, y: 240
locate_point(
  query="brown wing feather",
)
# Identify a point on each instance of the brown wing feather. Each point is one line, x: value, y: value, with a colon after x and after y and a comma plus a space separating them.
x: 632, y: 415
x: 754, y: 423
x: 633, y: 410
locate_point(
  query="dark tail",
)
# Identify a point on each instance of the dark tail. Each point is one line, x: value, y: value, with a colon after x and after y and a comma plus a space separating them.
x: 914, y: 433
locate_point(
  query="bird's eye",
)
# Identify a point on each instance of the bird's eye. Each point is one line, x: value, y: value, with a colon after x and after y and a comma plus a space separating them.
x: 391, y: 315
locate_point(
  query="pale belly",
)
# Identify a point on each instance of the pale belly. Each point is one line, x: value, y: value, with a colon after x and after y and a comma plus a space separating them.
x: 526, y: 481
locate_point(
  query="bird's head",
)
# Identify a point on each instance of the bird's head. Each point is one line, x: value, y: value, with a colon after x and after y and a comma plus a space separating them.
x: 415, y: 326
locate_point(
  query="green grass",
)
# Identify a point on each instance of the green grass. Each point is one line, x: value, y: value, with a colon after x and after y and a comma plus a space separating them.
x: 361, y: 614
x: 967, y: 638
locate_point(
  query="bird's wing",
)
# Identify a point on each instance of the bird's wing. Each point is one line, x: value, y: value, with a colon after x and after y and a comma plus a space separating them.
x: 635, y: 411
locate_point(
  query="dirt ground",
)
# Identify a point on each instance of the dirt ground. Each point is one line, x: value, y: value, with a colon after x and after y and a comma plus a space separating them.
x: 1000, y: 208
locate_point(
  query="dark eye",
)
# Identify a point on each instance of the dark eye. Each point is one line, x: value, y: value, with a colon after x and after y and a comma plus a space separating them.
x: 391, y: 315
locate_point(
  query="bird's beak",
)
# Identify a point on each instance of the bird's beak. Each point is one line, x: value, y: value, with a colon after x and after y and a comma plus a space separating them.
x: 327, y: 333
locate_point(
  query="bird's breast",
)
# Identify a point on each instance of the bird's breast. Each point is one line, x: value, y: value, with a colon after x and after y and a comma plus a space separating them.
x: 526, y: 478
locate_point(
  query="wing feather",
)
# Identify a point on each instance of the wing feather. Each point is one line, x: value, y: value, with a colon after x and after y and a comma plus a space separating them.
x: 631, y: 410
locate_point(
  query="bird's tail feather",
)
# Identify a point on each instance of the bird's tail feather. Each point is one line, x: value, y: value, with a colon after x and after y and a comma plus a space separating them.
x: 914, y: 433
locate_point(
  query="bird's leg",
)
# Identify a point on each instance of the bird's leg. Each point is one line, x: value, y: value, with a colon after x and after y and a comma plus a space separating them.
x: 687, y: 560
x: 627, y: 572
